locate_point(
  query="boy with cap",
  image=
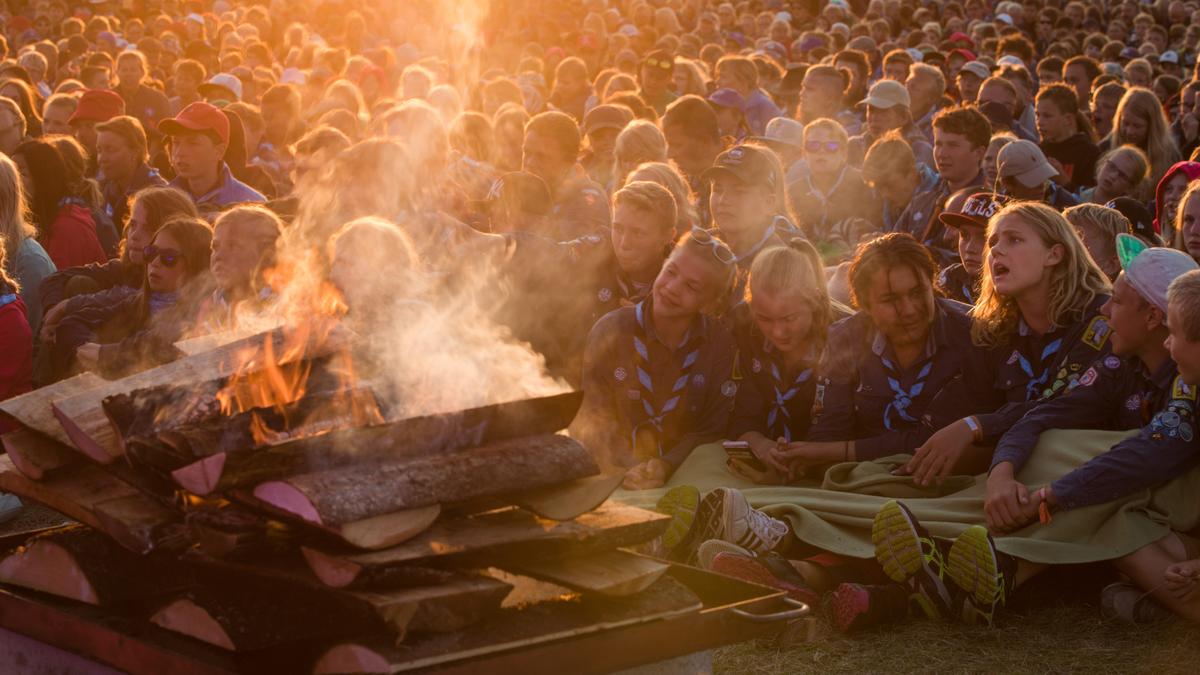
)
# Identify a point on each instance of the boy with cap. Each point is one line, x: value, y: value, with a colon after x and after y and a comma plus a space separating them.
x: 601, y: 125
x: 887, y: 106
x: 95, y: 106
x: 786, y: 137
x: 1026, y: 174
x: 960, y: 281
x: 199, y: 136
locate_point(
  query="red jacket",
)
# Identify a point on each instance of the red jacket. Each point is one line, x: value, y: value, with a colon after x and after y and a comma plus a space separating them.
x: 72, y: 241
x: 16, y: 351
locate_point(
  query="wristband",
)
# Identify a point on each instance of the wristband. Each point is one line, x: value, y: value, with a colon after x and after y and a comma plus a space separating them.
x: 1043, y: 507
x: 976, y: 430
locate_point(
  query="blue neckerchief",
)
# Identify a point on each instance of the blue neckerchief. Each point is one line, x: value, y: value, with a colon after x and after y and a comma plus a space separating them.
x: 161, y: 301
x: 779, y: 223
x: 656, y: 417
x: 902, y: 398
x: 7, y: 298
x: 1035, y: 381
x: 779, y: 412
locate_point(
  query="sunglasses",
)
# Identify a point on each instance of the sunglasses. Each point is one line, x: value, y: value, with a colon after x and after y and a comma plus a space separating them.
x: 720, y: 249
x: 657, y: 63
x: 818, y: 146
x: 169, y: 256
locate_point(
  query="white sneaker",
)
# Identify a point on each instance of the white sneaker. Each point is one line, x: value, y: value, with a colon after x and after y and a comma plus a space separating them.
x: 725, y: 514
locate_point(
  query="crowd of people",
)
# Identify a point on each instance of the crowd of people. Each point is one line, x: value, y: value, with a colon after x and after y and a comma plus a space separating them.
x: 829, y: 274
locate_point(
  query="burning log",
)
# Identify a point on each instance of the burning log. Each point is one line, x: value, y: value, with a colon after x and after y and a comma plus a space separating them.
x: 510, y: 533
x: 81, y: 564
x: 35, y: 455
x: 203, y: 468
x: 91, y: 496
x: 365, y: 490
x: 247, y: 618
x: 82, y: 415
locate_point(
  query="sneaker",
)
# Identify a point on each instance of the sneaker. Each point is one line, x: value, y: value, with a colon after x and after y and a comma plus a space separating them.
x: 725, y: 514
x: 709, y: 550
x: 681, y: 503
x: 1125, y: 602
x: 985, y: 575
x: 776, y: 573
x: 859, y: 606
x: 912, y: 557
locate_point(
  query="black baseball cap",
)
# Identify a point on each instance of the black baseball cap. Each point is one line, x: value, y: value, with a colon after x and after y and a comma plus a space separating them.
x: 976, y: 211
x: 1141, y: 221
x: 749, y: 164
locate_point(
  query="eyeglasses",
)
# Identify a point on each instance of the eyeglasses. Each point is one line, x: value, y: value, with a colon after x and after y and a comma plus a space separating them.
x: 660, y: 63
x: 169, y: 256
x: 818, y: 146
x: 720, y: 249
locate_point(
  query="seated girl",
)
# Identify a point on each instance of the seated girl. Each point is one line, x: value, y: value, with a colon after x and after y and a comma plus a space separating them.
x: 657, y: 375
x: 780, y: 332
x: 16, y: 342
x: 118, y: 337
x: 885, y: 373
x: 832, y: 202
x: 1098, y: 227
x: 1038, y: 318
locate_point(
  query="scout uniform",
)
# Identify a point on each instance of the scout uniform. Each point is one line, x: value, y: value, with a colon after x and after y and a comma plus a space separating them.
x: 864, y: 395
x: 581, y: 207
x: 770, y: 400
x: 956, y: 283
x: 1030, y: 369
x: 646, y: 399
x: 606, y: 286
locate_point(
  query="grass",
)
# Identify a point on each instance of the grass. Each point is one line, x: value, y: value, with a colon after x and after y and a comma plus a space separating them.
x: 1056, y: 627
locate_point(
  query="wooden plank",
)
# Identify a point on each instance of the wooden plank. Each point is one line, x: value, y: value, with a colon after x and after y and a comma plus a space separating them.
x: 34, y: 409
x: 82, y: 415
x: 81, y: 490
x: 509, y: 532
x: 364, y: 490
x: 570, y: 500
x: 614, y: 573
x: 36, y: 455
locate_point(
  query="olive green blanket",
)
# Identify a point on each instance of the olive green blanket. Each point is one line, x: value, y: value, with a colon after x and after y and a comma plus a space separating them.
x: 836, y: 513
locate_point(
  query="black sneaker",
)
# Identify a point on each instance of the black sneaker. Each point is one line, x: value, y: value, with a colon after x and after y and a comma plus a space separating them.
x: 912, y: 557
x: 859, y: 606
x: 986, y: 576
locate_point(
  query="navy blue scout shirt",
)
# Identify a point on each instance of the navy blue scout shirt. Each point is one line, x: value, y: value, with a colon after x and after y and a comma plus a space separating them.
x: 647, y: 399
x: 1115, y: 394
x: 956, y: 283
x: 778, y: 233
x: 606, y: 286
x: 1030, y: 368
x: 865, y: 396
x: 770, y: 400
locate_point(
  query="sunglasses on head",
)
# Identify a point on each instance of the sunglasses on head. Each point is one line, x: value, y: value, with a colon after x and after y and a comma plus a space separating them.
x: 818, y: 146
x: 169, y: 256
x: 660, y: 63
x: 720, y: 249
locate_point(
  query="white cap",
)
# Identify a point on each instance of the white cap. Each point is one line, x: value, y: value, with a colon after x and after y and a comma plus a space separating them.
x: 1151, y: 271
x: 1005, y: 18
x: 224, y: 80
x: 978, y: 69
x: 1010, y: 60
x: 1169, y: 56
x: 195, y: 18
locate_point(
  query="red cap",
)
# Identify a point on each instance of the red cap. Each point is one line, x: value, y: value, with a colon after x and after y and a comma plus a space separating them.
x: 19, y: 24
x: 198, y: 116
x: 98, y: 105
x: 961, y: 37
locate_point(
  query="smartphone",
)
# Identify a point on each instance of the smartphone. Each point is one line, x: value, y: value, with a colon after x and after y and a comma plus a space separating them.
x: 739, y: 451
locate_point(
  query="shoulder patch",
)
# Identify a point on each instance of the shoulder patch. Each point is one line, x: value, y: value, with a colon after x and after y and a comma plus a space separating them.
x: 1182, y: 391
x: 1088, y: 378
x: 729, y: 389
x: 1097, y: 333
x: 1112, y: 362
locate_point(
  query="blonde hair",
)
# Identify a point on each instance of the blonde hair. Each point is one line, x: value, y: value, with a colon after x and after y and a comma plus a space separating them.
x: 742, y: 69
x: 639, y: 142
x: 1110, y: 222
x: 1139, y: 156
x: 1177, y: 243
x: 651, y: 198
x: 724, y: 275
x: 1074, y: 282
x: 826, y: 124
x: 14, y: 214
x: 263, y: 221
x: 697, y: 77
x: 1184, y: 292
x: 1160, y: 147
x: 796, y: 266
x: 669, y: 177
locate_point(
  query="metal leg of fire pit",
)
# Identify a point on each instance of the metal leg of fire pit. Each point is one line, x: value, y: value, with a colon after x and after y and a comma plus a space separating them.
x: 21, y: 654
x: 696, y: 663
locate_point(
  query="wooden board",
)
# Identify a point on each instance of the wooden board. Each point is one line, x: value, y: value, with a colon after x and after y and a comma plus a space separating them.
x: 36, y: 455
x: 570, y: 500
x: 510, y: 532
x: 81, y: 491
x: 34, y: 409
x: 83, y: 417
x: 614, y: 573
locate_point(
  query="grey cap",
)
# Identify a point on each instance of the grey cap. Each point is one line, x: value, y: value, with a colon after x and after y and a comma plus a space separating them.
x: 1151, y: 272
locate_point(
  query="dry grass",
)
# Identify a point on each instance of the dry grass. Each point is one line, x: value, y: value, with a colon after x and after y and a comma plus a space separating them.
x: 1055, y: 628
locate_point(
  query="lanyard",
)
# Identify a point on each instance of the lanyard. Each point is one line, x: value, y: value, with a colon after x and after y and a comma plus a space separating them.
x: 1026, y: 367
x: 902, y: 398
x: 779, y: 412
x: 656, y: 417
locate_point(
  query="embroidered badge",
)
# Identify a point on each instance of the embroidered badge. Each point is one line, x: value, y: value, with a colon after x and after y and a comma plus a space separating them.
x: 1133, y: 402
x: 619, y: 374
x: 1097, y: 333
x: 633, y: 394
x: 1016, y: 356
x: 1112, y: 362
x: 729, y: 389
x: 1185, y: 432
x: 1075, y: 367
x: 819, y: 400
x: 698, y: 380
x: 756, y: 366
x: 1182, y: 390
x: 605, y: 294
x: 1088, y: 378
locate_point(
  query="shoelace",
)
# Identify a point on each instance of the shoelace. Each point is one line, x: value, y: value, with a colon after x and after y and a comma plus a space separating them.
x: 1036, y: 381
x: 655, y: 417
x: 766, y: 530
x: 903, y: 398
x: 779, y: 412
